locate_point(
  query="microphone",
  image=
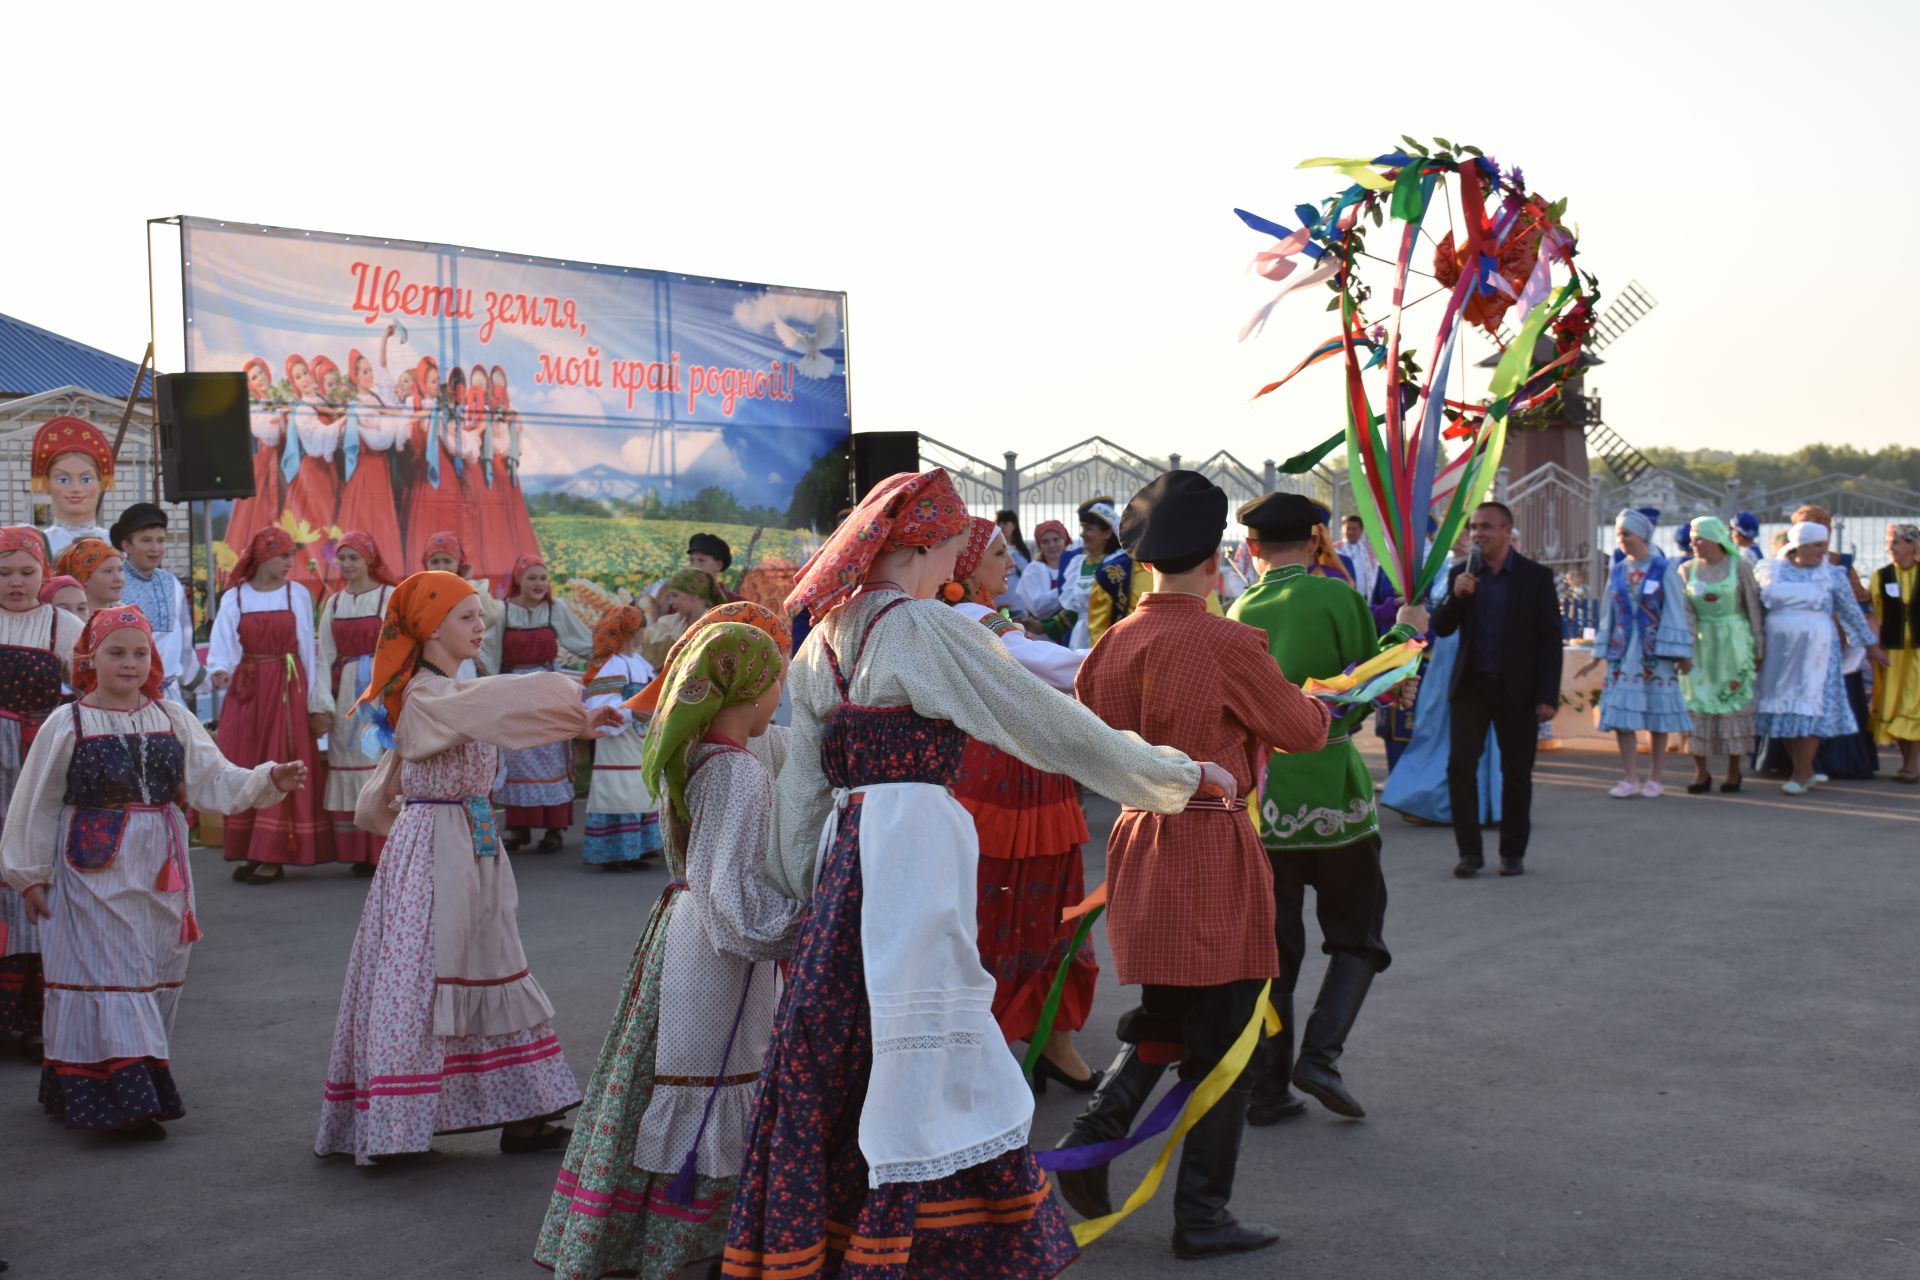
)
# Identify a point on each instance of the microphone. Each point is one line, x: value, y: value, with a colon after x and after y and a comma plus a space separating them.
x: 1474, y: 563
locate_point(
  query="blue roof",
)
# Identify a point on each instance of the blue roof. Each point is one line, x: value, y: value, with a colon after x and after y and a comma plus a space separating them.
x: 33, y: 360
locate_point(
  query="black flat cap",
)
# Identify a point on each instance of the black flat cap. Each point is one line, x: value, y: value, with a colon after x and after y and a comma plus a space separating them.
x: 1181, y: 514
x: 141, y: 515
x: 707, y: 544
x: 1283, y: 517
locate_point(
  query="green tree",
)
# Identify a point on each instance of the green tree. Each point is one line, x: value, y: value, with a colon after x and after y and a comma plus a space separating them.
x: 823, y: 491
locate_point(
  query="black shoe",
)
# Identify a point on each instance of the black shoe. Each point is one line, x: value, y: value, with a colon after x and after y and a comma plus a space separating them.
x: 1273, y: 1101
x: 515, y: 839
x: 550, y: 842
x: 1202, y: 1226
x: 1467, y: 868
x: 1700, y: 788
x: 1124, y: 1089
x: 1512, y: 867
x: 549, y: 1137
x: 364, y: 870
x: 1045, y: 1070
x: 1342, y: 992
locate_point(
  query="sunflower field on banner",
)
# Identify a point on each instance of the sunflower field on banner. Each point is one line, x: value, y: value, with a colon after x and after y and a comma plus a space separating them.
x: 1424, y: 461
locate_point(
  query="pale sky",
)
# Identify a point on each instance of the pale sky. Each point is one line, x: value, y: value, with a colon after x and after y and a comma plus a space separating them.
x: 1030, y: 207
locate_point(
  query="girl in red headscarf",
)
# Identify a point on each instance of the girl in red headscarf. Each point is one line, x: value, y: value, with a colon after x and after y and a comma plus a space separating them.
x: 435, y: 500
x: 539, y: 788
x: 36, y: 646
x: 97, y: 848
x: 262, y: 655
x: 888, y: 1095
x: 348, y: 632
x: 1031, y: 828
x: 373, y: 427
x: 623, y: 819
x: 442, y: 1027
x: 519, y: 536
x: 268, y: 419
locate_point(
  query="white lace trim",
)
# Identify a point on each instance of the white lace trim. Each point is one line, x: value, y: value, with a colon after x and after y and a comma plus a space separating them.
x: 944, y: 1040
x: 946, y: 1166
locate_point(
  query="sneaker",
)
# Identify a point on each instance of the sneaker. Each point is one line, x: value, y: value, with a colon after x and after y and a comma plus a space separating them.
x: 1793, y: 788
x: 1651, y: 789
x: 1624, y: 788
x: 1821, y: 777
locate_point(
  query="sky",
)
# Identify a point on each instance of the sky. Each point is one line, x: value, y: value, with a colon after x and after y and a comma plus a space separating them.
x: 1029, y: 207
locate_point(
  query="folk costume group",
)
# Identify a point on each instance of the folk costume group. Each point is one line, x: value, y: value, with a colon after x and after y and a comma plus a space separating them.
x: 809, y: 1069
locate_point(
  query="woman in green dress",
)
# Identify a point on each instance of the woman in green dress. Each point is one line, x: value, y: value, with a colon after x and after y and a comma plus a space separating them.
x: 1723, y: 604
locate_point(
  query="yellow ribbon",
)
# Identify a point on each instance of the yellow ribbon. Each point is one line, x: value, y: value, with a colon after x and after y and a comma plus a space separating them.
x: 1381, y: 663
x: 1210, y: 1091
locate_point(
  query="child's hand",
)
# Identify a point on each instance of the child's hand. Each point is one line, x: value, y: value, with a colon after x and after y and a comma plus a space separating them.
x: 290, y: 776
x: 35, y: 896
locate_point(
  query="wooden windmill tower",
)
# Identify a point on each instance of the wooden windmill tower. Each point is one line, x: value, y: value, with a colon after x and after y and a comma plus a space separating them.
x: 1574, y: 427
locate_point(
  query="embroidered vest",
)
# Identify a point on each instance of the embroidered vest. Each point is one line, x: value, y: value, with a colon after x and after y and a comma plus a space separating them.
x: 1641, y: 610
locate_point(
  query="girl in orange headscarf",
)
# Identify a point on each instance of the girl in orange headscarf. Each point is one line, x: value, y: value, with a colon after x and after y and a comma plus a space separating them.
x: 623, y: 818
x: 442, y: 1027
x: 96, y: 566
x: 348, y: 631
x: 269, y: 425
x: 262, y: 654
x: 36, y: 647
x: 97, y: 847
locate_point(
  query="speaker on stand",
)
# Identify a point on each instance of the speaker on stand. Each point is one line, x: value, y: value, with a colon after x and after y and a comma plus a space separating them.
x: 204, y: 438
x: 879, y: 454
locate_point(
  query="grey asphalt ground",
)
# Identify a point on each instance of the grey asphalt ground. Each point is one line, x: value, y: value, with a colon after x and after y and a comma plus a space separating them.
x: 1685, y: 1044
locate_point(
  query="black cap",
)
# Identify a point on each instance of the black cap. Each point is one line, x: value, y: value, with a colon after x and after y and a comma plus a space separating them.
x: 706, y: 544
x: 141, y: 515
x: 1180, y: 515
x: 1283, y: 517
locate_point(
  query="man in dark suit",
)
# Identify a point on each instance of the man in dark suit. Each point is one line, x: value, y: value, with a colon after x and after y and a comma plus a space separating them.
x: 1508, y: 675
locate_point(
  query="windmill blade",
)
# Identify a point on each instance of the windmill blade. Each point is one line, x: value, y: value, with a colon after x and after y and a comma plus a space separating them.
x: 1630, y: 306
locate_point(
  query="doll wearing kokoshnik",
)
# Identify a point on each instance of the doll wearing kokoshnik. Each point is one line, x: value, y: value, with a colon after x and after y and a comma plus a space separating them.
x: 73, y: 465
x: 36, y: 647
x: 96, y: 845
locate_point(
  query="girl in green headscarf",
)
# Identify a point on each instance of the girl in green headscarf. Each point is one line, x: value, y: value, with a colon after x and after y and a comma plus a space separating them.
x: 1723, y: 605
x: 662, y: 1134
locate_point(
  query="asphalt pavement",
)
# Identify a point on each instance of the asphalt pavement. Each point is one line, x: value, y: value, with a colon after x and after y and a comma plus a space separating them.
x: 1684, y: 1044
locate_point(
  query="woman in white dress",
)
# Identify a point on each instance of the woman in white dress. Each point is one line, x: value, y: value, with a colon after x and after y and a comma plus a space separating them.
x: 1801, y: 698
x: 96, y: 845
x: 348, y: 634
x: 623, y: 819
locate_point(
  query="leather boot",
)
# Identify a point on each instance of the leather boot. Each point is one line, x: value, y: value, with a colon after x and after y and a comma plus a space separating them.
x: 1202, y: 1226
x: 1341, y: 994
x: 1123, y: 1090
x: 1273, y: 1101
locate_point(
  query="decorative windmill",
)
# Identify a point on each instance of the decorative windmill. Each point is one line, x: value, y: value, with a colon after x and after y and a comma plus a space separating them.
x: 1570, y: 427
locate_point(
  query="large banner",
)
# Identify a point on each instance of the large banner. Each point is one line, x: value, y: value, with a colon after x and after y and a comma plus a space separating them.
x: 597, y: 415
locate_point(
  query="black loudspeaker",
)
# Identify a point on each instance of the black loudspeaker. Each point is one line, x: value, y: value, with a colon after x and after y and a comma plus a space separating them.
x: 879, y: 454
x: 206, y: 445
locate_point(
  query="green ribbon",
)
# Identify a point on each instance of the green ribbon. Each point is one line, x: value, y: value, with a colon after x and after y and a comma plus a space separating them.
x: 1051, y: 1009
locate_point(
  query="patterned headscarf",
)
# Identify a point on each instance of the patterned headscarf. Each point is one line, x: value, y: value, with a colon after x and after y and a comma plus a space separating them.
x: 1903, y: 531
x: 520, y: 566
x: 613, y: 634
x: 64, y: 435
x: 83, y: 556
x: 14, y: 537
x: 1714, y: 529
x: 363, y: 544
x: 906, y: 510
x: 119, y: 617
x: 726, y: 665
x: 697, y: 583
x: 1057, y: 527
x: 448, y: 542
x: 980, y: 535
x: 414, y: 612
x: 269, y: 542
x: 647, y: 700
x: 54, y: 586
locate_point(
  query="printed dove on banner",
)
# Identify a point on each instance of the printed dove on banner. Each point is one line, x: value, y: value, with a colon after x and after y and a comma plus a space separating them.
x: 811, y: 346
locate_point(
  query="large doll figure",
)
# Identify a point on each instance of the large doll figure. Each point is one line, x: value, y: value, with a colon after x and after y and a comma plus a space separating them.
x: 73, y: 466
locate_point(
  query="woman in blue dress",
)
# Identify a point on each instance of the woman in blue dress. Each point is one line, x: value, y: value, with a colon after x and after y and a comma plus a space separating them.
x: 1646, y: 640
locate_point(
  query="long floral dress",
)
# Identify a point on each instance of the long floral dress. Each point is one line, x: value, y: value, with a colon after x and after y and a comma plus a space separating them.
x: 682, y: 1061
x: 443, y: 1027
x: 1643, y: 681
x: 1729, y: 632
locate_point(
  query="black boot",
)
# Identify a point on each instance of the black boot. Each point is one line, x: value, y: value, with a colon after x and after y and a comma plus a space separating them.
x: 1202, y: 1227
x: 1273, y: 1101
x: 1341, y: 994
x: 1123, y: 1090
